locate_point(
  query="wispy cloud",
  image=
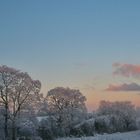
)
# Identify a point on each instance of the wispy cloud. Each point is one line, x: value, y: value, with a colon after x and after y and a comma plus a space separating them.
x: 124, y: 87
x: 127, y: 70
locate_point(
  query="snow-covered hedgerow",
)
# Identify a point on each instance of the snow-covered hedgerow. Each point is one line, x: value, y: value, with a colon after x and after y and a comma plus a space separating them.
x: 86, y: 128
x: 122, y: 115
x: 135, y: 135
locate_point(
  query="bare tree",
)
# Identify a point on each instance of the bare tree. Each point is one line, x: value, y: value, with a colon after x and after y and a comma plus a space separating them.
x: 16, y: 89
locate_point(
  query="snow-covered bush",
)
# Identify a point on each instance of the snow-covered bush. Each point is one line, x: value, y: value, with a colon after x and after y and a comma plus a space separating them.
x: 86, y: 128
x: 109, y: 124
x: 102, y: 124
x: 121, y: 115
x: 138, y: 123
x: 47, y: 128
x: 26, y: 128
x: 138, y: 117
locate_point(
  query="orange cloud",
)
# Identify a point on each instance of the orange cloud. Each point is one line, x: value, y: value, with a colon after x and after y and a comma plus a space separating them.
x: 127, y: 70
x: 124, y: 87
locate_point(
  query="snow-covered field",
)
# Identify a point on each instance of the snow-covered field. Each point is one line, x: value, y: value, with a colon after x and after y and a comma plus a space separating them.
x: 135, y: 135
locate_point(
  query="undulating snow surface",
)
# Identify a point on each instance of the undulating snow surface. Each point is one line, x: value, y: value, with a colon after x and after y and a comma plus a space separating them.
x: 135, y: 135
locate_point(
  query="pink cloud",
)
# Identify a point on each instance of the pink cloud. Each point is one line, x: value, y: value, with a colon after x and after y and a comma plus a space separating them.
x: 124, y: 87
x: 127, y: 70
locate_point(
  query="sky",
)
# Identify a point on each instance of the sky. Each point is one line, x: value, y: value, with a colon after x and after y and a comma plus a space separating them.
x: 91, y: 45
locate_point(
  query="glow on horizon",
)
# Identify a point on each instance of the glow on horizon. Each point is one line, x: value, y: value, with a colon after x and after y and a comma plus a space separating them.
x: 95, y: 98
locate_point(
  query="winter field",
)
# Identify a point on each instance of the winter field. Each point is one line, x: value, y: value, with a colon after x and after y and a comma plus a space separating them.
x: 135, y: 135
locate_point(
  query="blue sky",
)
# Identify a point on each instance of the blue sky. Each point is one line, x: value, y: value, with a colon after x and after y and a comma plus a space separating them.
x: 69, y: 43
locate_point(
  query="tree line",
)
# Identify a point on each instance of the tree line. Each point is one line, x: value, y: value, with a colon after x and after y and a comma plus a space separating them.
x: 27, y: 114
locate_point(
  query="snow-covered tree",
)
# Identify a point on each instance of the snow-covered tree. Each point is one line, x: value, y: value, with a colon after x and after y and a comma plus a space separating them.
x: 67, y: 105
x: 124, y: 111
x: 16, y: 88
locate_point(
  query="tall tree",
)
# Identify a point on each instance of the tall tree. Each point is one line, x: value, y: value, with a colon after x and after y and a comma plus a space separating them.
x: 67, y: 105
x: 16, y: 88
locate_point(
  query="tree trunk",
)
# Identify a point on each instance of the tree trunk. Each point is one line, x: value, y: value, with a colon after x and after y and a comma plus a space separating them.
x: 6, y: 122
x: 13, y: 130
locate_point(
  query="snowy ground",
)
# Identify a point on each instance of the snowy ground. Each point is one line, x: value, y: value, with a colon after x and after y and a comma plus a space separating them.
x: 135, y: 135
